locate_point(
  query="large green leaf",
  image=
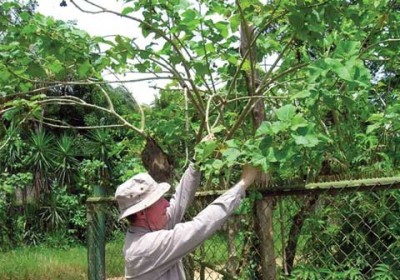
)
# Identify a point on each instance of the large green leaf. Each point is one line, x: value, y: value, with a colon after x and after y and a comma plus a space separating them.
x: 231, y: 155
x: 286, y: 113
x: 308, y: 140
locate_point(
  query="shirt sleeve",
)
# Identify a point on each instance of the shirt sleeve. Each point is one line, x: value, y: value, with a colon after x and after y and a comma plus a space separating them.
x: 162, y: 249
x: 184, y: 194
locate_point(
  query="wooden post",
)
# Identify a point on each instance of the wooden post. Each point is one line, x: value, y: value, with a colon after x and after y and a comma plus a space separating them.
x: 96, y: 238
x: 265, y: 233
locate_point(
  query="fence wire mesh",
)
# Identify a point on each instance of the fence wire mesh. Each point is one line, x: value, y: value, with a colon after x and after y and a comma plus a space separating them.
x: 332, y: 233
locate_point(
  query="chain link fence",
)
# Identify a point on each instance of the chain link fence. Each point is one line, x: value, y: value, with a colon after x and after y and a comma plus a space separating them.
x: 338, y: 230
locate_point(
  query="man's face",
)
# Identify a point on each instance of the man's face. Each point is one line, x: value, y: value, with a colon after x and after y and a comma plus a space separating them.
x: 156, y: 214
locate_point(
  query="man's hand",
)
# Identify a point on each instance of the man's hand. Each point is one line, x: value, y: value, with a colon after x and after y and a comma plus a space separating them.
x: 249, y: 174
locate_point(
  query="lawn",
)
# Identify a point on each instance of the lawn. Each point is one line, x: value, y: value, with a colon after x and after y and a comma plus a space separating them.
x: 41, y: 263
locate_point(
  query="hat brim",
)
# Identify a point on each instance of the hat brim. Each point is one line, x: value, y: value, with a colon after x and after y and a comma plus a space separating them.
x: 161, y: 189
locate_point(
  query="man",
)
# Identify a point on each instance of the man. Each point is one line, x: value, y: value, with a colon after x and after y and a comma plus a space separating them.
x: 156, y: 240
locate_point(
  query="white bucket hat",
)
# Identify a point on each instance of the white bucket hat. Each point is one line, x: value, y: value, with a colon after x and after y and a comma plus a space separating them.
x: 138, y: 193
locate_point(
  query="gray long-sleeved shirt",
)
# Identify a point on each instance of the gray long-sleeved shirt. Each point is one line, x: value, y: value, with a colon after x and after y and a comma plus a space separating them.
x: 157, y: 255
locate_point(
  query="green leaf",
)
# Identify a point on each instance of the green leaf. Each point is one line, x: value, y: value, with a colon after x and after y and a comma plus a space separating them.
x: 372, y: 127
x: 4, y: 74
x: 56, y: 66
x: 84, y: 69
x: 347, y: 48
x: 36, y: 70
x: 218, y: 129
x: 189, y: 17
x: 265, y: 144
x: 217, y: 164
x: 298, y: 121
x: 279, y: 126
x: 333, y: 64
x: 264, y: 129
x: 376, y: 117
x: 344, y: 73
x: 235, y: 22
x: 204, y: 149
x: 308, y: 140
x: 316, y: 70
x: 296, y: 20
x: 29, y: 29
x: 222, y: 27
x: 230, y: 155
x: 246, y: 65
x: 210, y: 48
x: 25, y: 86
x: 261, y: 161
x: 233, y: 143
x: 201, y: 68
x: 301, y: 94
x: 286, y: 113
x: 80, y: 33
x: 127, y: 10
x: 183, y: 5
x: 281, y: 154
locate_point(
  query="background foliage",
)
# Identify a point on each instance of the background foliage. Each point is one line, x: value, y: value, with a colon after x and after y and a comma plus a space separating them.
x: 324, y: 72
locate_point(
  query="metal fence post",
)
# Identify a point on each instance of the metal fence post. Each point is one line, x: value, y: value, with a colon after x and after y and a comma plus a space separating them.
x: 96, y: 238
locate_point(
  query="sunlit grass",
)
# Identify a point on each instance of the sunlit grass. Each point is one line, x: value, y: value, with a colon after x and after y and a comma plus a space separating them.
x: 41, y: 263
x: 114, y: 258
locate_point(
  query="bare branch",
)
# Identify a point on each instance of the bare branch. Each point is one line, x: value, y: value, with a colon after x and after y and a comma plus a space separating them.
x: 91, y: 81
x: 267, y: 75
x: 255, y: 97
x: 68, y: 126
x: 252, y: 102
x: 6, y: 110
x: 378, y: 43
x: 207, y: 113
x: 287, y: 71
x: 167, y: 65
x: 142, y: 116
x: 109, y: 102
x: 30, y: 91
x: 71, y: 102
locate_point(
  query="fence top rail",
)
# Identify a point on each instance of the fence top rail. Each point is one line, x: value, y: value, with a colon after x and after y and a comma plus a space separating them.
x: 335, y: 187
x: 331, y: 187
x: 105, y: 199
x: 354, y: 183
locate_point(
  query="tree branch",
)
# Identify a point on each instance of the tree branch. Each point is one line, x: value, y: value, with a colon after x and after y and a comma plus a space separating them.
x: 267, y: 75
x: 72, y: 102
x: 245, y: 45
x: 199, y: 105
x: 142, y: 116
x: 246, y: 110
x: 287, y: 71
x: 68, y: 126
x: 246, y: 54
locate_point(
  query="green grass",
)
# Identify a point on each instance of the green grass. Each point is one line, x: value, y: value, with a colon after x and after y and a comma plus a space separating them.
x: 114, y: 258
x: 41, y: 263
x: 215, y: 249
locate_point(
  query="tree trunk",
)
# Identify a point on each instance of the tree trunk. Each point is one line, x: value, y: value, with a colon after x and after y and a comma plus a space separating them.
x: 263, y: 208
x: 265, y: 232
x: 298, y: 221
